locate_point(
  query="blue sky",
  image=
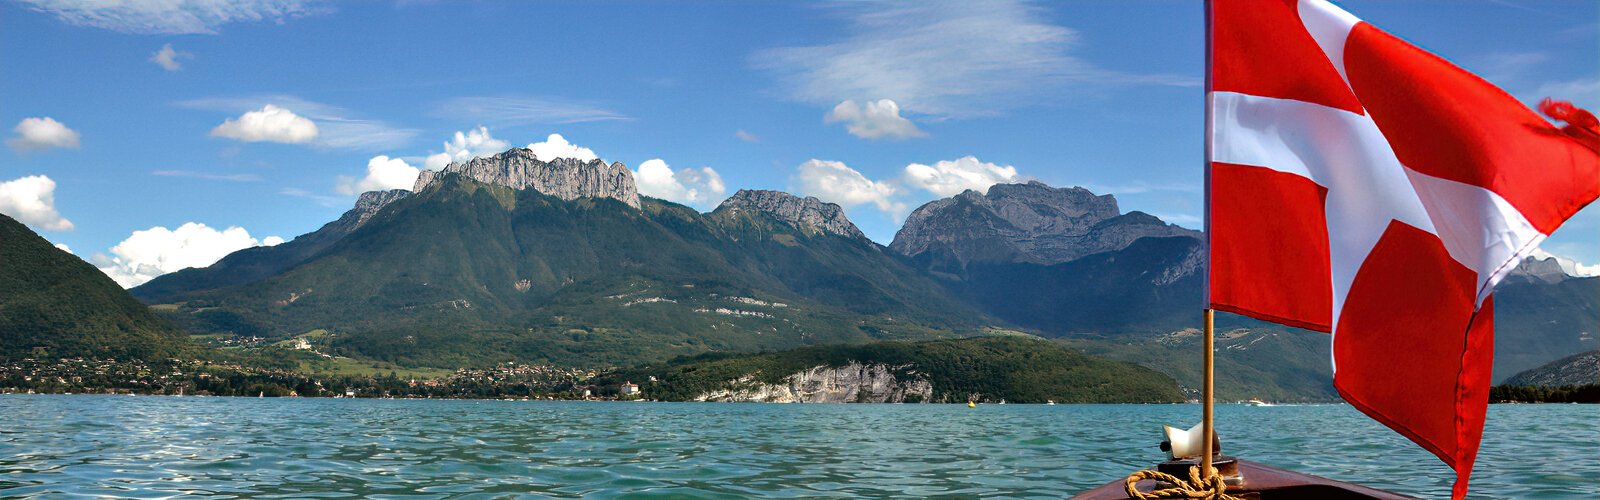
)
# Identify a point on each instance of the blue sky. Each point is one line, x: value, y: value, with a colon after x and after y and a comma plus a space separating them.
x: 766, y: 95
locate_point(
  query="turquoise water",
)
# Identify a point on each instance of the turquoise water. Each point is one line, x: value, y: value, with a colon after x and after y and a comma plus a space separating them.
x: 227, y: 447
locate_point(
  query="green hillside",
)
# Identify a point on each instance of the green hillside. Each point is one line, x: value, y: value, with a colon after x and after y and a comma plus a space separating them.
x: 470, y: 274
x: 1017, y: 369
x: 56, y: 305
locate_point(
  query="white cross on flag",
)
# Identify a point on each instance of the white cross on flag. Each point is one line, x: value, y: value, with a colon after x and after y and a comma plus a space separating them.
x: 1363, y: 187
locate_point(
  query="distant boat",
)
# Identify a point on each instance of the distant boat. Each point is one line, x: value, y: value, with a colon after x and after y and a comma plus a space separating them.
x: 1257, y: 402
x: 1051, y: 402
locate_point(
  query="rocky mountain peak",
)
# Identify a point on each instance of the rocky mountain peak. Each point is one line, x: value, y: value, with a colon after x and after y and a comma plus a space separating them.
x: 370, y: 202
x: 805, y: 213
x: 1030, y: 222
x: 565, y: 178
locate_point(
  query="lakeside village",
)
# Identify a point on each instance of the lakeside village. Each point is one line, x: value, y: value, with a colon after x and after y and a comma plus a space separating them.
x: 219, y: 378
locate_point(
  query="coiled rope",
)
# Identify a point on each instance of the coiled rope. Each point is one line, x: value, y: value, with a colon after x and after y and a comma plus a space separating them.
x: 1212, y: 488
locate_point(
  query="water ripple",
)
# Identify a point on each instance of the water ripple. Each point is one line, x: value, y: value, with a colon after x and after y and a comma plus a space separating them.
x: 162, y: 447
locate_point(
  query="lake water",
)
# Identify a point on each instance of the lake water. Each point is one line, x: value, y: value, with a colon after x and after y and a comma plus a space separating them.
x: 168, y: 446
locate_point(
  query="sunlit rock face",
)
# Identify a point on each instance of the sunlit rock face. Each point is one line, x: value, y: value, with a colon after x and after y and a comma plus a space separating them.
x: 564, y: 178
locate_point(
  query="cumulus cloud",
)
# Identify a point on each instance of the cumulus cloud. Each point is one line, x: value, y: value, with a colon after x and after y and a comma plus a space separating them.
x: 168, y: 17
x: 466, y: 146
x: 167, y: 58
x: 953, y: 59
x: 63, y: 247
x: 268, y: 124
x: 383, y: 173
x: 35, y: 134
x: 149, y: 253
x: 689, y: 186
x: 32, y: 201
x: 556, y: 146
x: 951, y: 177
x: 336, y: 129
x: 874, y: 120
x: 836, y: 182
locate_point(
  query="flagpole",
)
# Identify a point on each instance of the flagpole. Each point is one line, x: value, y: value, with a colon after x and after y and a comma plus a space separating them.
x: 1207, y: 423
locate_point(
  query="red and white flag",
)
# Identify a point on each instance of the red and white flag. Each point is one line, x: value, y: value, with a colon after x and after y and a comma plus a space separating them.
x: 1366, y: 188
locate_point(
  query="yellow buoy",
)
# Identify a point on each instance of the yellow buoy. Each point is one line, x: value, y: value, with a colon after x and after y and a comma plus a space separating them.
x: 972, y: 404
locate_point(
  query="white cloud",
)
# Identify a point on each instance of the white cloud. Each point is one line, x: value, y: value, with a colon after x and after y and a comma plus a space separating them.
x: 63, y: 247
x: 268, y: 124
x: 556, y: 146
x: 836, y: 182
x: 505, y: 111
x: 383, y: 173
x: 466, y: 146
x: 171, y: 17
x: 272, y: 241
x: 943, y: 58
x: 167, y: 58
x: 742, y: 135
x: 152, y: 252
x: 335, y: 128
x: 951, y: 177
x: 34, y: 134
x: 875, y: 120
x: 697, y: 187
x: 32, y: 201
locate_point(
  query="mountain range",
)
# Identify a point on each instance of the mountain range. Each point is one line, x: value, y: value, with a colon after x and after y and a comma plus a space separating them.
x: 513, y: 258
x: 471, y: 271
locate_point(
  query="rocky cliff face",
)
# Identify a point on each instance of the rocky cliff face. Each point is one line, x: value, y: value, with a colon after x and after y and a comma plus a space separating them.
x: 564, y: 178
x: 1538, y: 270
x: 1030, y: 223
x: 1577, y: 369
x: 806, y: 213
x: 852, y: 383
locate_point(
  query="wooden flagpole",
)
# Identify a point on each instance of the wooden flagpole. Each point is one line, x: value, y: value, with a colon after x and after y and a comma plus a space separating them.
x: 1207, y: 425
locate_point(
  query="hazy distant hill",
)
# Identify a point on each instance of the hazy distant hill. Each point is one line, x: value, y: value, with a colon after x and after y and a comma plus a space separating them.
x: 470, y: 273
x: 53, y: 303
x: 1578, y: 369
x: 1059, y: 260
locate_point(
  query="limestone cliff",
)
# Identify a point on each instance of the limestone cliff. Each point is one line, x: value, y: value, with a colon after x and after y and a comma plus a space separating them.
x: 852, y: 383
x: 1032, y: 223
x: 806, y: 213
x: 564, y: 178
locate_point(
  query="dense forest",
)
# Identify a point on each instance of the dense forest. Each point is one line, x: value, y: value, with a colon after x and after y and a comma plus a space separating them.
x: 1589, y: 393
x: 1011, y: 368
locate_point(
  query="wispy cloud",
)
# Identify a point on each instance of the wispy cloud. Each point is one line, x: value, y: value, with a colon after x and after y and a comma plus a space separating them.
x: 952, y: 59
x: 1141, y: 187
x: 505, y: 111
x: 320, y: 199
x: 207, y: 175
x: 1584, y: 92
x: 166, y: 17
x: 337, y: 127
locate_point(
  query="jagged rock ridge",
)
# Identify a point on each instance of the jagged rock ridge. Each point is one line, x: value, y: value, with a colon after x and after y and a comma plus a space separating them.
x: 564, y: 178
x: 1031, y: 223
x: 805, y: 213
